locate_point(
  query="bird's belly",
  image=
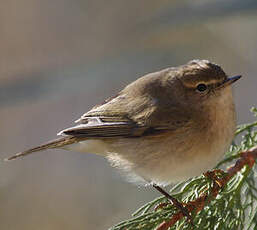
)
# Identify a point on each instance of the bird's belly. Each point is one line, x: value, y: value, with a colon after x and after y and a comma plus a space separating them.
x: 163, y: 164
x: 168, y: 160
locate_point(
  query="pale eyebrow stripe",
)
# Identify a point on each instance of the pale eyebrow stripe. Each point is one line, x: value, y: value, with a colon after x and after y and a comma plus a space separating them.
x: 211, y: 82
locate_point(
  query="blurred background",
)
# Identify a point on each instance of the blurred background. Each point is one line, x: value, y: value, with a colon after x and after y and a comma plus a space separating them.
x: 58, y: 58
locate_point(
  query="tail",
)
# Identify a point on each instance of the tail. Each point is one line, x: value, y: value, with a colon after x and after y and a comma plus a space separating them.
x: 57, y: 143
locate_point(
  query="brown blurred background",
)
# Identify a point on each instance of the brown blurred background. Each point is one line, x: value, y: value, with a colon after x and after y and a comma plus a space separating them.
x: 59, y: 58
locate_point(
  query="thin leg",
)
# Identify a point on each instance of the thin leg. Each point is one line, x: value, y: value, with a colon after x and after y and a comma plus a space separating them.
x: 174, y: 201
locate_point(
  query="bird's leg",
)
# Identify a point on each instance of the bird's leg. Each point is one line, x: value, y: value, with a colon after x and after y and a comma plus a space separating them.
x: 175, y: 202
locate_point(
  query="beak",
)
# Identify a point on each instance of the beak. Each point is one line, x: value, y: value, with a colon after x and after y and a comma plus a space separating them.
x: 230, y: 80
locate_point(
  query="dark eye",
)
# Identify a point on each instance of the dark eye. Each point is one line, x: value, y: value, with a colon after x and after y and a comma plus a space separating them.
x: 201, y: 87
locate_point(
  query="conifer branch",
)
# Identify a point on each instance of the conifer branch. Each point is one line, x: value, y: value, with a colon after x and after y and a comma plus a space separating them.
x: 247, y: 158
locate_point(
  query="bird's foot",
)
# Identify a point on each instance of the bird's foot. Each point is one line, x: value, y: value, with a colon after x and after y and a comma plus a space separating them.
x: 175, y: 202
x: 182, y: 208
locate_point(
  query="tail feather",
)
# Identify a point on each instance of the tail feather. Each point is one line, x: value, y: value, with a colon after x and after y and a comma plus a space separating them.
x: 57, y: 143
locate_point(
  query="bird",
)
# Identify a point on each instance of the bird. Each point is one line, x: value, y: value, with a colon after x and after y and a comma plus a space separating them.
x: 161, y: 129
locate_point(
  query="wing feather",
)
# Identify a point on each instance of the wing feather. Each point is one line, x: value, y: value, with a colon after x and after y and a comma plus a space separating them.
x: 104, y: 127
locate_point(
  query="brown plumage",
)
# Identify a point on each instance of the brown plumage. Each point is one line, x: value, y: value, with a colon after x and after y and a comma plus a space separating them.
x: 164, y: 127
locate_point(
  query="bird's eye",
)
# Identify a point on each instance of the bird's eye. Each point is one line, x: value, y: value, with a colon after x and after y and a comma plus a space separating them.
x: 201, y: 87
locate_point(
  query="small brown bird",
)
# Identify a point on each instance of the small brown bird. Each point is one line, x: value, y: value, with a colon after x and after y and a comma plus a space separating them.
x: 163, y: 128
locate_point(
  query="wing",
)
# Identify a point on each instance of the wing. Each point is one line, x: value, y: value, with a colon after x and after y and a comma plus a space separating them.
x: 103, y: 127
x: 110, y: 127
x: 109, y: 119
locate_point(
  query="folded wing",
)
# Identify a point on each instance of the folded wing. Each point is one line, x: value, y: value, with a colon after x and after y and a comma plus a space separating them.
x: 104, y: 127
